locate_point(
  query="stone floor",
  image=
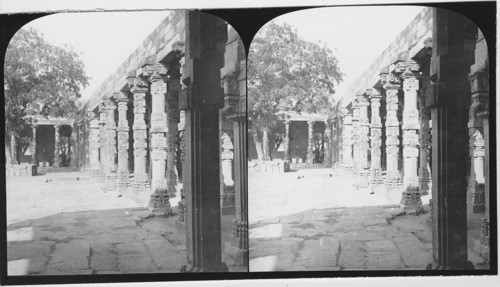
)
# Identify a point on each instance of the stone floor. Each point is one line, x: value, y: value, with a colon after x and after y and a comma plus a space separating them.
x: 315, y: 219
x: 63, y: 223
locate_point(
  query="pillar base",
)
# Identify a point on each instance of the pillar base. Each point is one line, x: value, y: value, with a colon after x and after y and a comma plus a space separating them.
x: 180, y: 226
x: 159, y: 205
x: 466, y: 265
x: 238, y: 255
x: 110, y: 181
x: 188, y: 268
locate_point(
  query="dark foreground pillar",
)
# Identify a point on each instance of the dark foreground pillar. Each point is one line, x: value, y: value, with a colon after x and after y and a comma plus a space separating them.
x: 451, y: 59
x: 201, y: 98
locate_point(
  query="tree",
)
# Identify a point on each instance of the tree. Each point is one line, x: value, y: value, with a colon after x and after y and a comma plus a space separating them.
x: 40, y: 79
x: 287, y: 74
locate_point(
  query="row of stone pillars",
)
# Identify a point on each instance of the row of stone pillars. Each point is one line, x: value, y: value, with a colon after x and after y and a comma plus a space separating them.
x: 362, y: 137
x: 310, y: 140
x: 57, y: 150
x: 184, y: 85
x: 162, y: 141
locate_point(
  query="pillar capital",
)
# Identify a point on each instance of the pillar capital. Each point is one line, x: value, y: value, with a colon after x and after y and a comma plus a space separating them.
x: 138, y: 85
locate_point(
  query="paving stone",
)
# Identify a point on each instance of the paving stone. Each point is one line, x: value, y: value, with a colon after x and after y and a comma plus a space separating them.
x: 352, y: 255
x: 103, y: 257
x: 20, y: 234
x: 136, y: 264
x: 267, y: 231
x: 411, y: 250
x: 270, y: 220
x: 69, y: 272
x: 164, y: 254
x: 383, y: 261
x: 380, y: 246
x: 70, y: 256
x: 319, y: 253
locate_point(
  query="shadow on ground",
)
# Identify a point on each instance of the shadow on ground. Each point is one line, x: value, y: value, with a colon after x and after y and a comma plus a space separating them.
x: 351, y: 238
x: 95, y: 242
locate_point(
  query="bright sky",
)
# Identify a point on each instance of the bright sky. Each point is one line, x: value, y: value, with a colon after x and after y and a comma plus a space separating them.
x: 356, y: 35
x: 103, y: 40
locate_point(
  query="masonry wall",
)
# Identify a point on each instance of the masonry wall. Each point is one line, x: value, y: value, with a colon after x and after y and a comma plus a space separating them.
x: 414, y: 34
x: 168, y: 32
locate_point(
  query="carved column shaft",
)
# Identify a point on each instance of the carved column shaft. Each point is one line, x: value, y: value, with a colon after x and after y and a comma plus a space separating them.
x: 479, y: 96
x: 364, y: 128
x: 329, y: 143
x: 94, y: 143
x: 375, y: 139
x: 266, y: 143
x: 123, y: 145
x: 411, y: 194
x: 310, y: 142
x: 355, y: 137
x: 173, y: 88
x: 102, y: 139
x: 111, y: 149
x: 391, y: 87
x: 347, y: 141
x: 139, y: 89
x: 34, y: 150
x: 159, y: 203
x: 424, y: 172
x: 57, y: 150
x: 286, y: 140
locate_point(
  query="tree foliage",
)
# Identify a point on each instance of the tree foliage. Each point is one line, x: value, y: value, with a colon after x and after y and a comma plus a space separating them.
x: 40, y: 79
x: 288, y: 73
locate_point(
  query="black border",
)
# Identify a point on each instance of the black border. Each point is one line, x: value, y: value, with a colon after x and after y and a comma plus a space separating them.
x: 247, y: 22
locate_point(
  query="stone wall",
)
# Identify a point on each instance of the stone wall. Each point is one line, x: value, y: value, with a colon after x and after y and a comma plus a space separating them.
x: 162, y: 38
x: 413, y: 35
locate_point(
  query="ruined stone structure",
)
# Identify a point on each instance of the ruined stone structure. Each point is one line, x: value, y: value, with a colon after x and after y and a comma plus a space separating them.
x: 418, y: 103
x: 173, y: 94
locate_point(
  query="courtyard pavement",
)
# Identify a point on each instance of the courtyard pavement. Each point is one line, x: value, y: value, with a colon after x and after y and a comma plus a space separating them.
x: 63, y: 223
x: 315, y: 219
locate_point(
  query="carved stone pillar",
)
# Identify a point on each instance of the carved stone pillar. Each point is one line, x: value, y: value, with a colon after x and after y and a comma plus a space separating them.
x: 411, y: 194
x: 173, y: 88
x: 355, y: 135
x: 57, y: 158
x: 233, y: 78
x: 266, y: 148
x: 347, y: 141
x: 424, y: 173
x: 139, y: 89
x: 159, y: 203
x: 286, y: 140
x: 227, y: 156
x: 310, y: 142
x: 181, y: 151
x: 364, y: 129
x: 13, y: 148
x: 391, y: 86
x: 452, y: 56
x: 329, y: 142
x: 73, y: 148
x: 123, y: 130
x: 479, y: 94
x: 93, y: 142
x: 375, y: 138
x: 102, y: 139
x: 34, y: 159
x: 201, y: 99
x: 111, y: 149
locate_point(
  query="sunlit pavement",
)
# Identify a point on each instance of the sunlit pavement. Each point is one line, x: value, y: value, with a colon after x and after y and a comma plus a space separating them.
x: 63, y: 223
x: 315, y: 219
